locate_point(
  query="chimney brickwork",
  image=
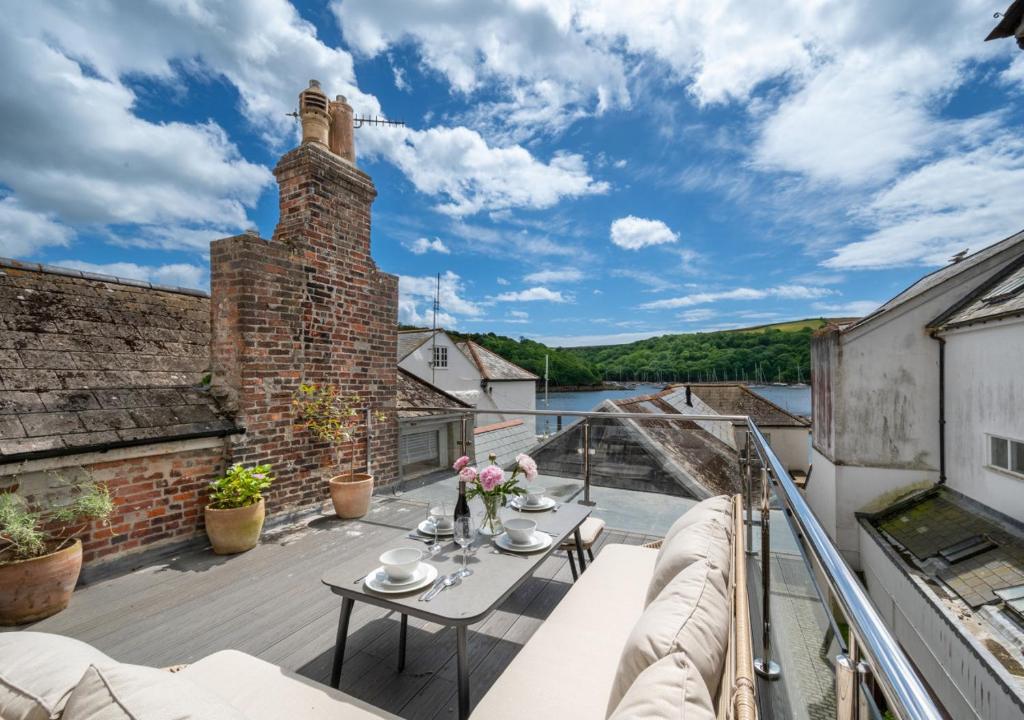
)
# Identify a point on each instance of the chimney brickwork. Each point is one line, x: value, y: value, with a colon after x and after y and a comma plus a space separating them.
x: 308, y: 306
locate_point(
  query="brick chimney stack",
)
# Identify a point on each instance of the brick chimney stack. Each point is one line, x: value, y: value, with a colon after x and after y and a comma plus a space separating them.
x: 310, y: 306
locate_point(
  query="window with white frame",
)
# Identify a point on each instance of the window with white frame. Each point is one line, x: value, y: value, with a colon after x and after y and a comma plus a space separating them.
x: 1006, y: 454
x: 440, y: 357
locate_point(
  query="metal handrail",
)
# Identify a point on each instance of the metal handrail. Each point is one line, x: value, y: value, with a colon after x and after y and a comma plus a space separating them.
x: 580, y: 413
x: 904, y: 690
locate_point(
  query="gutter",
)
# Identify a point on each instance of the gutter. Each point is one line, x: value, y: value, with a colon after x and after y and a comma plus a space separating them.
x: 116, y: 445
x: 942, y: 405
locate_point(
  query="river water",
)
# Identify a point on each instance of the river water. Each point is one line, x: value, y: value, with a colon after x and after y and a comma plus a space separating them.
x: 794, y: 398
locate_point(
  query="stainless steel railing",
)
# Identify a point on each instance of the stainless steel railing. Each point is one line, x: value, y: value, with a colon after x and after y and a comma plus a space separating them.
x: 871, y: 641
x: 872, y: 657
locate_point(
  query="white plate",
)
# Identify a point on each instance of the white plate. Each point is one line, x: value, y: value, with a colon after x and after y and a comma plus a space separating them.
x: 542, y: 541
x: 427, y: 530
x: 520, y: 504
x: 421, y: 577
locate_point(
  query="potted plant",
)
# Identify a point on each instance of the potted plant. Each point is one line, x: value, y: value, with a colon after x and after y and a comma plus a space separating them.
x: 40, y: 551
x: 236, y: 510
x: 334, y: 419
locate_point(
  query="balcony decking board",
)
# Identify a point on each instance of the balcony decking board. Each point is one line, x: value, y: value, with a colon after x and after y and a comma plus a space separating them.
x: 270, y: 602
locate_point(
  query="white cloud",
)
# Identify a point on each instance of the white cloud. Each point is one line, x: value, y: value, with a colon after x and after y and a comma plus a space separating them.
x: 633, y: 233
x: 697, y: 315
x: 421, y: 246
x: 533, y: 294
x: 176, y: 274
x: 416, y: 299
x: 968, y: 200
x: 457, y: 165
x: 651, y: 280
x: 519, y: 314
x: 23, y: 232
x: 73, y: 147
x: 501, y: 281
x: 532, y: 53
x: 554, y: 276
x: 854, y: 308
x: 785, y: 292
x: 598, y: 339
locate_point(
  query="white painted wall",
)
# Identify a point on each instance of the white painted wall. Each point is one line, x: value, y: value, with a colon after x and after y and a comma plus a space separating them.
x: 821, y: 491
x: 514, y: 394
x: 960, y: 671
x: 461, y: 375
x: 791, y: 444
x: 886, y: 407
x: 985, y: 394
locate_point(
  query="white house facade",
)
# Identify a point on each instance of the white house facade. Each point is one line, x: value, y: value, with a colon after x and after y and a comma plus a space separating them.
x: 470, y: 372
x: 918, y: 471
x: 876, y: 397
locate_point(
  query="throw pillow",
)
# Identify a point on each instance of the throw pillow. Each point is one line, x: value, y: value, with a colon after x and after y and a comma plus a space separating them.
x: 38, y: 671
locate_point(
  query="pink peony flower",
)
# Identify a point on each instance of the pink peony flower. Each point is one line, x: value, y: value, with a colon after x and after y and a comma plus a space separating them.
x: 528, y: 465
x: 461, y: 463
x: 491, y: 476
x: 467, y: 474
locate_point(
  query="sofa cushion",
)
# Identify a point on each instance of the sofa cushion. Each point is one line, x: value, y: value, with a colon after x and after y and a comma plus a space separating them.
x: 707, y: 536
x: 719, y: 507
x: 691, y: 616
x: 670, y: 689
x: 39, y: 670
x: 565, y: 670
x: 263, y: 691
x: 133, y: 692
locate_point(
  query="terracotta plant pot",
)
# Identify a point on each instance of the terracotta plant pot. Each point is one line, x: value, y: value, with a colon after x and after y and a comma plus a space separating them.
x: 39, y: 587
x: 351, y: 494
x: 235, y: 530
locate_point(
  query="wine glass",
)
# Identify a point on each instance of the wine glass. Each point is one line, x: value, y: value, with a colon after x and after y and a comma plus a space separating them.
x: 431, y: 523
x: 465, y: 532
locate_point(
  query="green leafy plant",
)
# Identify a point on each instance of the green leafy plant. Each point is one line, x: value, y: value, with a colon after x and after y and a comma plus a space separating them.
x: 28, y: 531
x: 240, y: 487
x: 332, y: 418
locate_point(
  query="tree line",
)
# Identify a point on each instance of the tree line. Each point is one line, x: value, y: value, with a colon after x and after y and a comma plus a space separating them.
x: 769, y: 355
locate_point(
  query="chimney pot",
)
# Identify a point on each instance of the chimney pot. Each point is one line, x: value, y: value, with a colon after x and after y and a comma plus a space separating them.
x: 314, y: 115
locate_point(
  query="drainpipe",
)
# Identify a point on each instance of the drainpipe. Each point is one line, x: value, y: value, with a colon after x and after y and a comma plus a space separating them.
x: 942, y: 406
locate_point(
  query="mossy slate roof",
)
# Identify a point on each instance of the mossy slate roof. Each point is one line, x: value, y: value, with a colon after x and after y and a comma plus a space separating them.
x: 89, y: 362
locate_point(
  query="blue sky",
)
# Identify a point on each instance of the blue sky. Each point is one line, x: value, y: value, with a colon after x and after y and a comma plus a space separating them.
x: 578, y: 171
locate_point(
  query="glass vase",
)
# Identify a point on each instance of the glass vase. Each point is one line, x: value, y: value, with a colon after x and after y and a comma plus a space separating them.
x: 491, y: 524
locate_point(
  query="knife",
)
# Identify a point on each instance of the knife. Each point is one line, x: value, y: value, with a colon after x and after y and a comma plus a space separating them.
x: 434, y: 588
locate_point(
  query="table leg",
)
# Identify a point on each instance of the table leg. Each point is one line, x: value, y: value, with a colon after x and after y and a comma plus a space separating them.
x: 579, y: 550
x: 401, y: 642
x: 462, y: 654
x: 572, y: 565
x: 339, y: 643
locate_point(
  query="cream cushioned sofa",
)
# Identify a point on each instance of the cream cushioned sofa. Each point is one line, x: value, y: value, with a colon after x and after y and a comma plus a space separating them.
x: 644, y: 633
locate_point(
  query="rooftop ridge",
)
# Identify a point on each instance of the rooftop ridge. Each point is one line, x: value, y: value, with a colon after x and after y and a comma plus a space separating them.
x: 100, y: 277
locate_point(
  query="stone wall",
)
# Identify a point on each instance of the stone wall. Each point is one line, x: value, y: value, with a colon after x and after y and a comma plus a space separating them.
x: 307, y: 306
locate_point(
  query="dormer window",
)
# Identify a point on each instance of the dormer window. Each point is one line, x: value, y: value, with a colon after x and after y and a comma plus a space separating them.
x: 440, y: 357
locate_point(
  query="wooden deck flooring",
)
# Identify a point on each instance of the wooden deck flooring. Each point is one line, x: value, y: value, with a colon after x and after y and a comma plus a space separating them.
x: 269, y: 602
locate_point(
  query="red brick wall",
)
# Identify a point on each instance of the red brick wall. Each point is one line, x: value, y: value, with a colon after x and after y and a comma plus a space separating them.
x: 158, y: 499
x: 308, y: 306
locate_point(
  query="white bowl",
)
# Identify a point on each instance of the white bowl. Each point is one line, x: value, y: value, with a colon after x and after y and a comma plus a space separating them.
x: 442, y: 519
x: 535, y: 495
x: 400, y: 563
x: 520, y: 530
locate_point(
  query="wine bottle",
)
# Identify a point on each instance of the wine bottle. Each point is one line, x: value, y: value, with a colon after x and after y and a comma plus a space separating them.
x: 461, y: 505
